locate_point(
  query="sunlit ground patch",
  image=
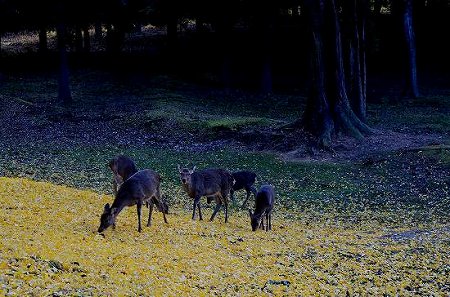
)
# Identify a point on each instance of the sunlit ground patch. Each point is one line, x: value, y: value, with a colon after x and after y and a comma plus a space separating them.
x: 49, y: 246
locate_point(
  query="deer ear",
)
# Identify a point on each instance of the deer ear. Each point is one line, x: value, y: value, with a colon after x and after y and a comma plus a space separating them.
x: 250, y: 212
x: 192, y: 170
x: 106, y: 207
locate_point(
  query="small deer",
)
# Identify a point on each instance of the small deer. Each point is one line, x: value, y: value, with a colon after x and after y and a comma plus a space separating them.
x: 215, y: 183
x: 122, y: 167
x: 142, y: 187
x: 244, y: 180
x: 263, y: 206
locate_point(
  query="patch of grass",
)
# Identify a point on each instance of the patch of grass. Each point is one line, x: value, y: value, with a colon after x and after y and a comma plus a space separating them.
x: 442, y: 156
x: 237, y: 123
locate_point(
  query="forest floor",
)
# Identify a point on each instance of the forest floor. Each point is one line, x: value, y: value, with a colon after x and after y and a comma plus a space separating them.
x: 369, y: 218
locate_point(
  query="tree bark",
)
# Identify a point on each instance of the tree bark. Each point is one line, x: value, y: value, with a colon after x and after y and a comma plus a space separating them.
x: 328, y: 108
x: 43, y: 44
x: 64, y: 94
x: 317, y: 116
x: 411, y: 87
x: 345, y: 119
x: 98, y: 30
x: 357, y: 67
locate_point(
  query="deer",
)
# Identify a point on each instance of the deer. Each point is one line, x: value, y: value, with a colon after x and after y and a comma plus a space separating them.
x: 244, y: 180
x: 122, y: 168
x: 215, y: 183
x: 142, y: 187
x: 265, y: 198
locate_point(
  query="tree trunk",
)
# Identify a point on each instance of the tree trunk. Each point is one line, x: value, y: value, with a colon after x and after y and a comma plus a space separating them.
x: 411, y: 87
x: 265, y: 29
x: 98, y: 30
x: 357, y: 79
x: 345, y: 119
x: 317, y: 116
x: 172, y: 31
x: 86, y: 39
x: 43, y: 39
x: 224, y: 30
x: 64, y: 94
x: 199, y: 25
x: 328, y: 108
x: 115, y: 36
x: 78, y: 39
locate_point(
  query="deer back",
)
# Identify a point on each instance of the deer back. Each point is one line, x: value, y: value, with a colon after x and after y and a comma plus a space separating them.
x: 243, y: 178
x: 123, y: 166
x: 264, y: 199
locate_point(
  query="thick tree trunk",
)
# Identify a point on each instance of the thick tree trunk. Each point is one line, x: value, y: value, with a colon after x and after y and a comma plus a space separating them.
x: 317, y: 116
x: 328, y: 108
x: 64, y: 94
x: 411, y: 88
x: 357, y: 74
x: 43, y: 44
x: 345, y: 119
x: 115, y: 36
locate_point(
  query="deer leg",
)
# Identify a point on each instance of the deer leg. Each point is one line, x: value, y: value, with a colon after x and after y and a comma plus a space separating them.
x: 218, y: 205
x: 267, y: 221
x: 261, y: 225
x: 232, y: 194
x: 197, y: 204
x: 164, y: 213
x: 139, y: 207
x: 161, y: 204
x: 117, y: 181
x: 247, y: 189
x: 150, y: 210
x: 114, y: 187
x: 199, y: 211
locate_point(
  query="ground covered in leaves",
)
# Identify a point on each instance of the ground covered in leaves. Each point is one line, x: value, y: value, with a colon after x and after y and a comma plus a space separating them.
x: 368, y: 218
x: 50, y: 246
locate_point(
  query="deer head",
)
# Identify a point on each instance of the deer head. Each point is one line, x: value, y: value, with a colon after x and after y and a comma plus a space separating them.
x: 185, y: 174
x: 108, y: 218
x: 255, y: 220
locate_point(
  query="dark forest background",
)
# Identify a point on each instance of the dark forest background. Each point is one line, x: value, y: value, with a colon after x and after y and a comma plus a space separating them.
x: 340, y: 54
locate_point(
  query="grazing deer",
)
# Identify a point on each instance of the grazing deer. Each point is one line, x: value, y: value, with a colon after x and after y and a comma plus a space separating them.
x: 122, y: 167
x: 215, y: 183
x: 263, y: 206
x: 142, y: 187
x: 244, y: 180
